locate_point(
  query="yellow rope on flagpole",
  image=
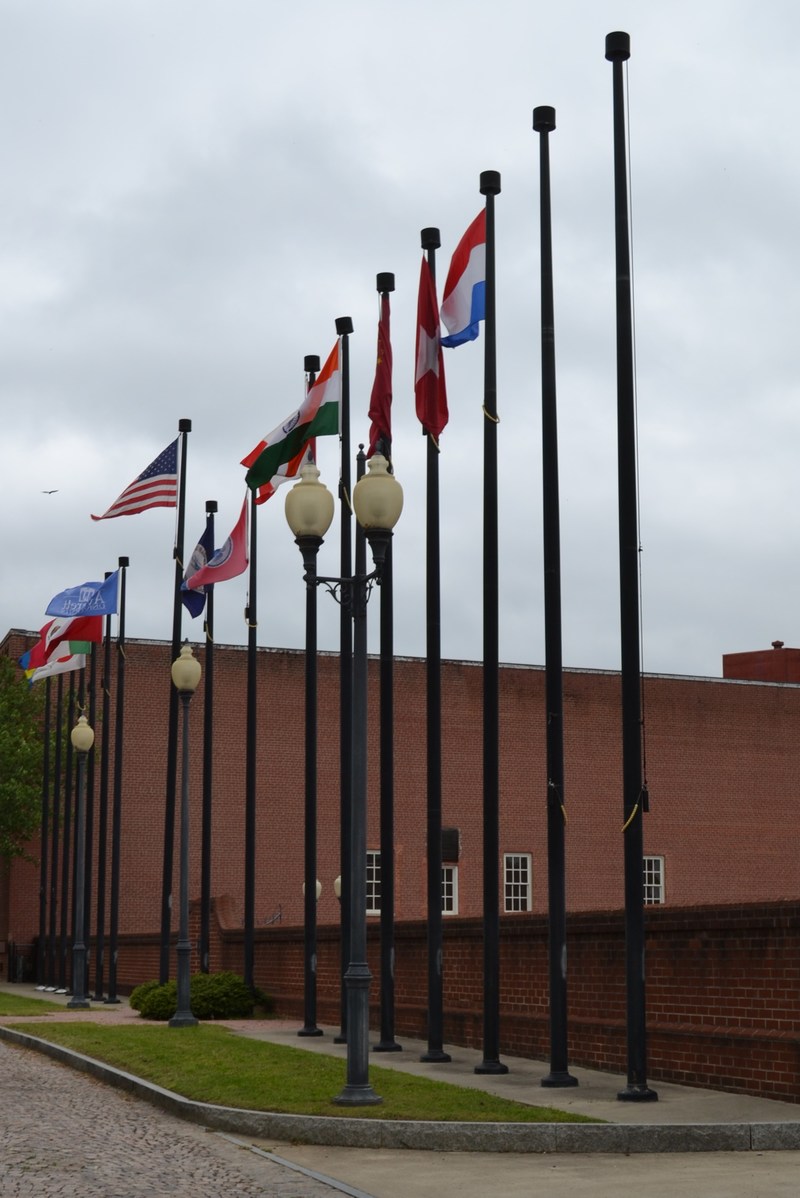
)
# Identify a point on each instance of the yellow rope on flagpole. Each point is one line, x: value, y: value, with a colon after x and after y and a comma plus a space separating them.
x: 630, y: 818
x: 489, y: 416
x: 435, y: 443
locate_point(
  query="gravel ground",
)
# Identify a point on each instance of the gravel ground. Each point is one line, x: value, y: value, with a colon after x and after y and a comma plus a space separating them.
x: 63, y: 1134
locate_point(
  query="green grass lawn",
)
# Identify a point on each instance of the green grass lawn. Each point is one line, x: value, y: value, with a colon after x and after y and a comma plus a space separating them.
x: 213, y: 1064
x: 19, y: 1004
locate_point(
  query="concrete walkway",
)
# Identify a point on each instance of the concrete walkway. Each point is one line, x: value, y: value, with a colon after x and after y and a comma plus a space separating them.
x: 700, y: 1140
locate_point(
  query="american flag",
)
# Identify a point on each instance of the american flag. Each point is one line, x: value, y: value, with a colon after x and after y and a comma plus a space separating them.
x: 157, y: 486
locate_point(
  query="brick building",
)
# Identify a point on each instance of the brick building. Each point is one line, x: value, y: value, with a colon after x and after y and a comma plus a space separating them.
x: 721, y: 759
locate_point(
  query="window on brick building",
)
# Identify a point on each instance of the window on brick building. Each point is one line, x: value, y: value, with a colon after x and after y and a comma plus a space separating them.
x: 373, y: 882
x: 449, y: 890
x: 653, y: 880
x: 517, y: 875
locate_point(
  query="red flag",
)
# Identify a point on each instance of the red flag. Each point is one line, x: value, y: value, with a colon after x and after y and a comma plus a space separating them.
x: 380, y: 403
x: 429, y: 385
x: 229, y: 561
x: 56, y: 632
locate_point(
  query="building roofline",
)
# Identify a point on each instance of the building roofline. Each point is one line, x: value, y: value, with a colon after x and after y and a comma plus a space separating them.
x: 455, y: 661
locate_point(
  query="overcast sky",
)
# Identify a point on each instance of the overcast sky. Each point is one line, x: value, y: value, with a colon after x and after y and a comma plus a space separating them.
x: 194, y: 190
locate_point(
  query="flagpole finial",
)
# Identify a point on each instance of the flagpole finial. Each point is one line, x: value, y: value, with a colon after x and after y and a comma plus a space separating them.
x: 211, y: 506
x: 544, y: 119
x: 311, y: 363
x: 431, y: 239
x: 344, y: 325
x: 184, y: 425
x: 124, y: 562
x: 490, y: 183
x: 385, y: 281
x: 618, y: 46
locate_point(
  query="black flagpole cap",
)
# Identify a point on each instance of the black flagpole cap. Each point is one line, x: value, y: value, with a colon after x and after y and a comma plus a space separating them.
x: 618, y: 46
x: 124, y: 561
x: 490, y: 183
x: 544, y: 119
x: 344, y: 325
x: 385, y: 281
x: 311, y: 363
x: 184, y: 426
x: 431, y: 238
x: 211, y: 507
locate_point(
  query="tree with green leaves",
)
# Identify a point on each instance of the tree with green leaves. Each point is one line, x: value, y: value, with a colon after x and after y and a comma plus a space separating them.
x: 21, y: 746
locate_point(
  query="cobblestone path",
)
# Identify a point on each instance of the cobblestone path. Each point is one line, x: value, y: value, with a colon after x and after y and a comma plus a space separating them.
x: 63, y: 1134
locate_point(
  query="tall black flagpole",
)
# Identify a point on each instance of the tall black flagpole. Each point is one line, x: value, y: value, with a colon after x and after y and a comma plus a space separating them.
x: 56, y: 824
x: 344, y: 327
x: 387, y: 1043
x: 490, y: 187
x: 309, y: 549
x: 90, y: 779
x: 431, y: 241
x: 208, y: 760
x: 544, y: 121
x: 44, y: 833
x: 66, y: 846
x: 102, y: 822
x: 250, y: 754
x: 618, y: 49
x: 116, y: 811
x: 184, y: 427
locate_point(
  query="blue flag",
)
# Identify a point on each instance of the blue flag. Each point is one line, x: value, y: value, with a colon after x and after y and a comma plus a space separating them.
x: 194, y: 601
x: 90, y: 599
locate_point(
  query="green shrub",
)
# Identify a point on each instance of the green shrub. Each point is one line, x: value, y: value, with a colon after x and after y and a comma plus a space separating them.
x: 211, y: 995
x: 161, y: 1002
x: 139, y: 993
x: 220, y: 996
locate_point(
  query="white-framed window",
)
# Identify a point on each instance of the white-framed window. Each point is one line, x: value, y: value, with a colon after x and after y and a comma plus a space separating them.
x: 373, y: 882
x: 449, y: 890
x: 517, y: 881
x: 653, y: 877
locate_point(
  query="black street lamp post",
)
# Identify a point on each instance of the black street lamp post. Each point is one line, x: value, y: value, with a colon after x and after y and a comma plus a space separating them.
x: 82, y: 737
x: 377, y: 501
x: 185, y: 676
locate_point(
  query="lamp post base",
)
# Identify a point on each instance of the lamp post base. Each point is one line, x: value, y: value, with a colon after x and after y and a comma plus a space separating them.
x: 558, y: 1078
x: 183, y: 1019
x: 491, y: 1067
x: 358, y: 1096
x: 436, y: 1055
x: 310, y: 1031
x: 641, y: 1093
x: 387, y: 1046
x: 78, y: 1004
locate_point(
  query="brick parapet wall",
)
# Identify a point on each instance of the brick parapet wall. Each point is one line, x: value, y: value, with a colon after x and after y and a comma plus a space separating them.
x: 723, y: 987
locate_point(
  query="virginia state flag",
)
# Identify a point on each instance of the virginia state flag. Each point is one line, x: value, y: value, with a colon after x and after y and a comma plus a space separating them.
x: 195, y: 600
x: 464, y: 299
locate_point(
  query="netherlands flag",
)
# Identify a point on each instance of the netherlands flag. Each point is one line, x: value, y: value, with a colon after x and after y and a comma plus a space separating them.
x: 464, y: 302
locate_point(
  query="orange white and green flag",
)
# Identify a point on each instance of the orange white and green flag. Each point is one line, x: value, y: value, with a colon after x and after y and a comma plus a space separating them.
x: 278, y: 457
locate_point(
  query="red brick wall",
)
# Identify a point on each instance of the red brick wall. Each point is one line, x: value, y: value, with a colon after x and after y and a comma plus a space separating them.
x: 723, y: 988
x: 721, y: 760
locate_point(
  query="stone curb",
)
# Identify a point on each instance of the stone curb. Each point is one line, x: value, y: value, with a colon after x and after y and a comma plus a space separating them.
x: 440, y: 1137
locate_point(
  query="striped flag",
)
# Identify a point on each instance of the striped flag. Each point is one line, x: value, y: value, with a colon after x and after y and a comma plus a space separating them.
x: 282, y: 452
x: 156, y: 486
x: 464, y: 296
